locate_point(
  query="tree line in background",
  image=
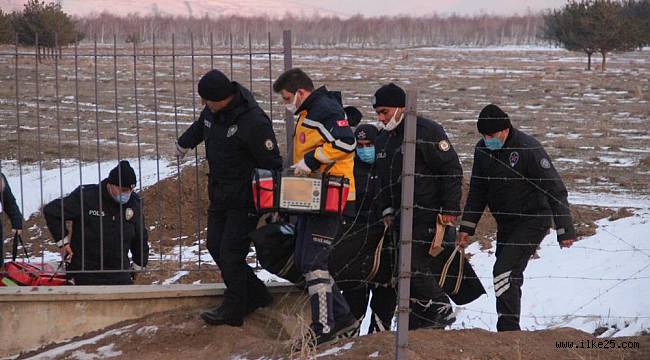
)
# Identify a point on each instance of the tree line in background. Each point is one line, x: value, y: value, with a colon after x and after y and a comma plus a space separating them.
x: 591, y: 26
x: 357, y: 31
x: 39, y: 22
x: 599, y: 26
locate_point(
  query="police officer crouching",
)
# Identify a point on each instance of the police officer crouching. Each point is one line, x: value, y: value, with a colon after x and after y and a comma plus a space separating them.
x: 238, y: 138
x: 105, y: 227
x: 513, y: 175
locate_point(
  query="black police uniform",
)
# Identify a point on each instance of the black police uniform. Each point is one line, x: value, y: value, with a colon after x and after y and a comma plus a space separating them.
x: 384, y: 296
x: 110, y: 231
x: 367, y: 186
x: 438, y: 177
x: 524, y: 193
x: 238, y: 139
x: 9, y: 206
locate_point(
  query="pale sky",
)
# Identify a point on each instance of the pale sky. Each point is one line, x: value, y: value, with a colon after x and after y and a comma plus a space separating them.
x: 280, y: 7
x: 423, y: 7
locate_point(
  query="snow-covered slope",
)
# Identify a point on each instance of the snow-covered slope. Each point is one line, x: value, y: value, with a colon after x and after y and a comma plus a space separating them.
x: 603, y: 280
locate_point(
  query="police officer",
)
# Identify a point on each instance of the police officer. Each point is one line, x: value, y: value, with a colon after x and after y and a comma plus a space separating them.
x: 384, y: 297
x: 107, y: 223
x: 8, y: 205
x: 365, y: 177
x: 323, y: 139
x: 238, y: 138
x: 513, y: 175
x: 438, y: 176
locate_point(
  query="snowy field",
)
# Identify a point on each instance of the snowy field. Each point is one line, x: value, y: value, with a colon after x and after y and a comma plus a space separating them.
x: 602, y: 281
x: 57, y: 182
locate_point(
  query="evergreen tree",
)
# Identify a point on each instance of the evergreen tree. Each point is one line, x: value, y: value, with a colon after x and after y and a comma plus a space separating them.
x: 53, y: 26
x: 601, y: 26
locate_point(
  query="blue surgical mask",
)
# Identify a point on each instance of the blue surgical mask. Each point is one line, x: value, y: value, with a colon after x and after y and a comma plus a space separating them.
x: 493, y: 143
x: 366, y: 154
x: 122, y: 198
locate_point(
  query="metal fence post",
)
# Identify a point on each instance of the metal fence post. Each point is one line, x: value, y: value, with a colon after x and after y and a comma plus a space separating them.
x: 288, y: 116
x: 406, y: 224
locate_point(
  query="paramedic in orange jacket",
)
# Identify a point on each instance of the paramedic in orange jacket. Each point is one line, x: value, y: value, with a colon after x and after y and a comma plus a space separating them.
x: 322, y: 136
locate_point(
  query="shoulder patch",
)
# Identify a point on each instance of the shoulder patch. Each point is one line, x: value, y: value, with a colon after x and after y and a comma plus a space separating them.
x: 545, y: 164
x: 342, y: 123
x: 268, y: 143
x: 514, y: 158
x: 128, y: 214
x: 443, y: 145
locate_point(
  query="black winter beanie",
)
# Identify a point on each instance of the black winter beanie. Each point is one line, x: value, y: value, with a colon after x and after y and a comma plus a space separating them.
x: 127, y: 175
x: 389, y: 95
x: 215, y: 86
x: 492, y: 119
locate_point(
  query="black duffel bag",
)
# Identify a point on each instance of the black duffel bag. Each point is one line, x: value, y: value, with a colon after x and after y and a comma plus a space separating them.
x: 362, y: 254
x: 456, y: 276
x: 274, y: 246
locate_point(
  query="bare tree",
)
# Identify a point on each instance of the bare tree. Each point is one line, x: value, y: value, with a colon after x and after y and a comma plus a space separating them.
x: 356, y: 31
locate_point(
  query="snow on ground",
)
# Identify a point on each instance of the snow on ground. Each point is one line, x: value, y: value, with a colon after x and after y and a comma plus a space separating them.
x: 176, y: 277
x: 609, y: 200
x: 104, y: 352
x: 493, y: 48
x: 336, y: 350
x: 53, y: 181
x: 603, y: 280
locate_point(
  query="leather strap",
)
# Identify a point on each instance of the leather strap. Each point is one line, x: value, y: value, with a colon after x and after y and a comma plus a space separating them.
x: 443, y: 276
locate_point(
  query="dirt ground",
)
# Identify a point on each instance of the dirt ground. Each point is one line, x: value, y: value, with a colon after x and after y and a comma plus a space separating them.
x: 594, y: 124
x: 181, y: 334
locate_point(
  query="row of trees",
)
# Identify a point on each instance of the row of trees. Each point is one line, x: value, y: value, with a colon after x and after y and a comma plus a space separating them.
x: 599, y: 26
x: 45, y: 22
x: 591, y: 26
x: 355, y: 31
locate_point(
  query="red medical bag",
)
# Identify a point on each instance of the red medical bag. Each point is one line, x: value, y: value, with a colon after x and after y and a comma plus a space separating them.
x: 30, y: 274
x: 288, y: 193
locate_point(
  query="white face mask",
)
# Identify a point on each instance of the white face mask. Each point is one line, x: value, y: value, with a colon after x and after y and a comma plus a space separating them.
x: 293, y: 107
x: 394, y: 121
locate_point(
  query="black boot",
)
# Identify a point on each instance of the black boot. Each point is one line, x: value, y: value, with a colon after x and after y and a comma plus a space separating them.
x: 346, y: 327
x: 443, y: 318
x: 221, y: 316
x: 258, y: 301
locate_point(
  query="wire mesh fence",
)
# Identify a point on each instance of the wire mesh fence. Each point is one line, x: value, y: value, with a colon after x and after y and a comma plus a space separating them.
x: 73, y: 116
